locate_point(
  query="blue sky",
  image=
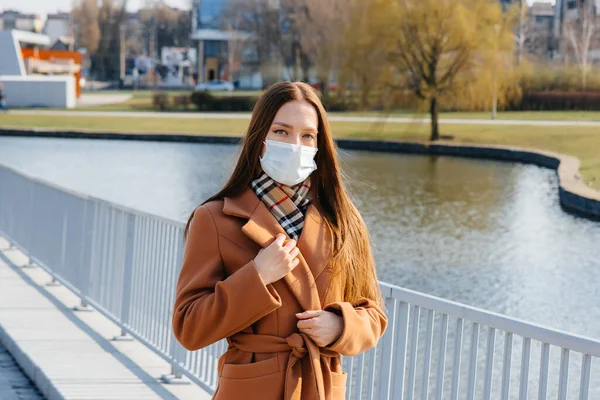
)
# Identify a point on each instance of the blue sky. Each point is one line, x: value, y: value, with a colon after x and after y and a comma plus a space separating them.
x: 49, y: 6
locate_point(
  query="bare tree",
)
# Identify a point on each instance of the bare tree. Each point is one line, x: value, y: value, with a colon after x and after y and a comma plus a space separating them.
x: 170, y: 26
x: 98, y: 27
x: 110, y: 20
x: 274, y: 35
x: 262, y: 22
x: 85, y: 18
x: 580, y: 33
x: 235, y: 45
x: 320, y: 24
x: 521, y: 33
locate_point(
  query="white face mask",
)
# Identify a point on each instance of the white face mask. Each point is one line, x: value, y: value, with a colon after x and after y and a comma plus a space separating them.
x: 288, y: 164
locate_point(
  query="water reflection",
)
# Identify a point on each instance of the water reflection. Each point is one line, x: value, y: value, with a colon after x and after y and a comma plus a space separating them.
x: 488, y: 234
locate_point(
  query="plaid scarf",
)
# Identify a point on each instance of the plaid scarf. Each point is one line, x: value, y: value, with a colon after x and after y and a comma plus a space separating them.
x: 288, y: 204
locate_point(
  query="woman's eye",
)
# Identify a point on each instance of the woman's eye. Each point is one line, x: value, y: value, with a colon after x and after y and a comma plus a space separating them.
x: 279, y: 131
x: 308, y: 136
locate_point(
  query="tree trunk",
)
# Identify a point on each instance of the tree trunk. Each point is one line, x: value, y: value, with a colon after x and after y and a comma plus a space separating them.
x: 435, y: 131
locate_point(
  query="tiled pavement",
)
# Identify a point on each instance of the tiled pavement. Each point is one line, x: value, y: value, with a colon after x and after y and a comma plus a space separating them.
x: 14, y: 385
x: 70, y: 355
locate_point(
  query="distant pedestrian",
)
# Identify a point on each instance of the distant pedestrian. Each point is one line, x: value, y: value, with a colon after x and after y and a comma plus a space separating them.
x: 279, y: 262
x: 2, y: 98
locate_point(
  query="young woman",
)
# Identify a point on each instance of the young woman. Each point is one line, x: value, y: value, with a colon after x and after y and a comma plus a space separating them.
x: 279, y: 262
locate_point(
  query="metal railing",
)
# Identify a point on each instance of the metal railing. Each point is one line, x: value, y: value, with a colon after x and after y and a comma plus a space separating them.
x: 124, y: 263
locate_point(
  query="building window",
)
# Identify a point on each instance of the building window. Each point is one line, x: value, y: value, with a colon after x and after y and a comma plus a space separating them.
x: 572, y: 4
x: 210, y: 13
x: 211, y: 48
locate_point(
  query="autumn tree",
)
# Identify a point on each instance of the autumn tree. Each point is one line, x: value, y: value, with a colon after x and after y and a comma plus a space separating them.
x: 580, y: 32
x: 438, y: 47
x: 362, y: 53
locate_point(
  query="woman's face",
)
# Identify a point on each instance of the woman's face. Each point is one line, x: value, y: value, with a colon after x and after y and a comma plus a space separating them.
x: 296, y: 122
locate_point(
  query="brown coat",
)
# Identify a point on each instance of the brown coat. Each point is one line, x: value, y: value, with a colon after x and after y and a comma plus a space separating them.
x: 220, y: 294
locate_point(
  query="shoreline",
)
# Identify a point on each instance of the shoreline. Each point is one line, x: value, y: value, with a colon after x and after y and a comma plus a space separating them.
x: 574, y: 195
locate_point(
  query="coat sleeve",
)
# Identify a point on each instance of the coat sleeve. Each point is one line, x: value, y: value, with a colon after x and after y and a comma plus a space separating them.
x: 208, y: 305
x: 364, y: 324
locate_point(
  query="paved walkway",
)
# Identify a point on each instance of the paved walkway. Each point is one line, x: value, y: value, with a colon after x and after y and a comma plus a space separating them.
x: 198, y: 115
x: 99, y: 99
x: 67, y: 354
x: 14, y: 384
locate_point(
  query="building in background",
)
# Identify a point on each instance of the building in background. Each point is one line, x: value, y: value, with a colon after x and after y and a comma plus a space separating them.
x: 207, y: 23
x: 59, y: 28
x: 217, y: 42
x: 33, y: 75
x: 538, y: 29
x: 11, y: 19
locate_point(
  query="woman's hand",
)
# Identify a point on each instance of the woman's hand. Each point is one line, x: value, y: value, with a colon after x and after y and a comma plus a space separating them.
x: 276, y: 260
x: 323, y: 327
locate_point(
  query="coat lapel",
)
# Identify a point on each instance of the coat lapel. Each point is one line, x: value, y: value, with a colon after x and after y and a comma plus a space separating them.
x: 262, y: 227
x: 315, y: 241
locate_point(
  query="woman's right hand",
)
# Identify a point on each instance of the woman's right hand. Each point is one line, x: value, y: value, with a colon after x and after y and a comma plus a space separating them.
x: 276, y: 260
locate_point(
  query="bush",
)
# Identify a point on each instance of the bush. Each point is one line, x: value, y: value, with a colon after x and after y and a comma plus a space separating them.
x: 235, y: 103
x: 160, y: 100
x: 565, y: 78
x: 558, y: 101
x: 335, y: 103
x: 204, y: 101
x: 182, y: 101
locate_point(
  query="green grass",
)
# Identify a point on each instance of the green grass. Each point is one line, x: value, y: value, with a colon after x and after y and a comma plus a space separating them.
x: 508, y: 115
x: 580, y: 141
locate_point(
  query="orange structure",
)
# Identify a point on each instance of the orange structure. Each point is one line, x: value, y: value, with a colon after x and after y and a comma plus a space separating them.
x: 57, y: 62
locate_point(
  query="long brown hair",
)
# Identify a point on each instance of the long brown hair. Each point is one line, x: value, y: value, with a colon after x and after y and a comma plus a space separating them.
x: 352, y: 258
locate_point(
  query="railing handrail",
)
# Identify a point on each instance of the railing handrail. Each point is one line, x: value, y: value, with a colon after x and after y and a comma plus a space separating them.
x: 83, y: 196
x: 495, y: 320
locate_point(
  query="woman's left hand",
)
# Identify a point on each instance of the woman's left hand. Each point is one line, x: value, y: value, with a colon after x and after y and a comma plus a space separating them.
x: 323, y: 327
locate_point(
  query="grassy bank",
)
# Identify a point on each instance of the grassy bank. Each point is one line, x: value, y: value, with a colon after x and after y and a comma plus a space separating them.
x: 580, y: 141
x: 142, y: 101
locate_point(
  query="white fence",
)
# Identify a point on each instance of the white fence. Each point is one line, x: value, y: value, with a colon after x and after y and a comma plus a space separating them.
x: 124, y: 263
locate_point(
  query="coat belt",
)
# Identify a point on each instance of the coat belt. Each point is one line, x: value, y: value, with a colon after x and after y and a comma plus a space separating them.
x: 300, y: 345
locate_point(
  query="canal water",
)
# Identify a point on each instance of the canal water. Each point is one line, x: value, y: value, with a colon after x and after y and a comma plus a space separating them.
x: 484, y: 233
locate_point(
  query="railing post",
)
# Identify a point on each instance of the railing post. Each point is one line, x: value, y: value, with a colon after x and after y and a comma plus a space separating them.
x: 127, y: 280
x: 54, y: 282
x: 176, y: 376
x: 401, y: 342
x: 387, y: 347
x: 30, y: 262
x: 88, y: 251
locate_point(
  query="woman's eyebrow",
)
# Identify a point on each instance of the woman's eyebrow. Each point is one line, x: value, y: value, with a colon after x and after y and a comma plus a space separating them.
x: 310, y: 128
x: 283, y: 124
